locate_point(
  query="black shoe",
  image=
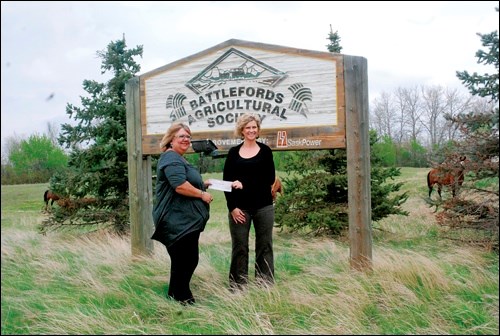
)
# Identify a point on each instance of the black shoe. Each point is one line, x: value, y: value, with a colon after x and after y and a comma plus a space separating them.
x: 190, y: 301
x: 237, y: 287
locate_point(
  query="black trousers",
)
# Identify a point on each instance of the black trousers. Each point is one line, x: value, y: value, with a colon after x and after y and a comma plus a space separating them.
x: 184, y: 257
x: 263, y: 222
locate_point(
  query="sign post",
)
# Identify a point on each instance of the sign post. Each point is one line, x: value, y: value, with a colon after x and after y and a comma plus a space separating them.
x: 306, y: 100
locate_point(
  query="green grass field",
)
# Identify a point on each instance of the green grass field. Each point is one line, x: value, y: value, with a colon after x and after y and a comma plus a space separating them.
x: 63, y: 283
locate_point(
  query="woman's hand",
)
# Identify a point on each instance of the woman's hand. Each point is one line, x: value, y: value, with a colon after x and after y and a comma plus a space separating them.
x: 237, y: 185
x: 238, y: 216
x: 206, y: 197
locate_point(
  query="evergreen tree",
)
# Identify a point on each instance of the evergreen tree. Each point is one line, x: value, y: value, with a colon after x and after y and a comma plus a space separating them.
x: 485, y: 85
x: 473, y: 216
x: 98, y: 142
x: 316, y: 188
x: 334, y: 45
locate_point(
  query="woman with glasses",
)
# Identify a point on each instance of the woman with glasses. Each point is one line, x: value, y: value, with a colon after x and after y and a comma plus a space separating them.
x: 181, y: 210
x: 250, y: 166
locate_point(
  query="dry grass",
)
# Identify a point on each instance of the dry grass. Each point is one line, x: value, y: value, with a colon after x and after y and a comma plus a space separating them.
x: 63, y: 283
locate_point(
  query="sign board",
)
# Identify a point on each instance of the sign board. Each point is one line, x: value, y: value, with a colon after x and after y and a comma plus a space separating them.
x: 299, y: 95
x: 306, y: 99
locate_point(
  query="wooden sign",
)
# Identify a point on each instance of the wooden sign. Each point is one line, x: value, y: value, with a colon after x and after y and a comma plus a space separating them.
x: 299, y: 95
x: 306, y: 100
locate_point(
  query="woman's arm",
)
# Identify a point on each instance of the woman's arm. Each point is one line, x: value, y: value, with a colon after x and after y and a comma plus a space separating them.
x: 187, y: 189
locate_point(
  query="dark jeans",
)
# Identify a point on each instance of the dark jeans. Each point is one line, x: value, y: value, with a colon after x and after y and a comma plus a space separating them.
x: 184, y: 256
x: 263, y: 222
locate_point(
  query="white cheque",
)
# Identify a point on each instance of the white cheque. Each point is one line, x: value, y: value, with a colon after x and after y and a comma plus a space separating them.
x: 220, y: 185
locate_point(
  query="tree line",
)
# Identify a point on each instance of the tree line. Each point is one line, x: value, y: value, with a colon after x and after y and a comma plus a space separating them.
x: 417, y: 126
x: 410, y: 123
x: 415, y: 123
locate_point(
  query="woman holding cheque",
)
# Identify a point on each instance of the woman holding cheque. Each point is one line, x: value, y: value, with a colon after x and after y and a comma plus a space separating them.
x: 250, y: 166
x: 181, y: 210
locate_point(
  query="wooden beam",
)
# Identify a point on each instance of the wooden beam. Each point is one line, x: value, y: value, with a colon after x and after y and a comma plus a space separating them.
x: 139, y: 177
x: 358, y: 162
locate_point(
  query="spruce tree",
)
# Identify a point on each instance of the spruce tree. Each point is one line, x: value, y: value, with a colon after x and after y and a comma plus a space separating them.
x: 98, y: 148
x: 315, y: 200
x: 473, y: 215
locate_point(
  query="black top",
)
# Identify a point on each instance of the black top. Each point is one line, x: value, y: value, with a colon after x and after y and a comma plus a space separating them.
x: 176, y: 215
x: 257, y: 175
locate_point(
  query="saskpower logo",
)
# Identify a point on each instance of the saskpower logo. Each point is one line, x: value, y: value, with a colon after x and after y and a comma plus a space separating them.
x: 282, y: 141
x: 223, y: 91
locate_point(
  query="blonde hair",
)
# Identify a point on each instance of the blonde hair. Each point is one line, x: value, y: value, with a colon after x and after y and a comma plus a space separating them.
x: 166, y: 141
x: 243, y: 120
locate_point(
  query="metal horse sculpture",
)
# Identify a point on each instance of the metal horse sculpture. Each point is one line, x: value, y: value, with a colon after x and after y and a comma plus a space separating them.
x: 446, y: 177
x: 49, y: 196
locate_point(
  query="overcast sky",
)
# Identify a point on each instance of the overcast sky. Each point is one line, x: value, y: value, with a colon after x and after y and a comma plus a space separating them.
x: 49, y: 48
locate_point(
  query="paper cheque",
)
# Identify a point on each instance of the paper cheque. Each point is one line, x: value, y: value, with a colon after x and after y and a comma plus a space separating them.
x: 220, y: 185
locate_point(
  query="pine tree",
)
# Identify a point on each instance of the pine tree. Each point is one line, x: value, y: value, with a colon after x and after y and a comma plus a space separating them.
x: 473, y: 216
x: 316, y: 188
x: 485, y: 85
x: 334, y: 38
x: 98, y: 144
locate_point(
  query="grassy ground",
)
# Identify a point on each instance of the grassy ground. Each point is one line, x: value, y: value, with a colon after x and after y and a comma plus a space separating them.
x: 62, y: 283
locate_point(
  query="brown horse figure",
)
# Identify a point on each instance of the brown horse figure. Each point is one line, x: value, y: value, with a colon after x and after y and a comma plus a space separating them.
x: 49, y: 196
x: 65, y: 202
x: 449, y: 177
x: 276, y: 188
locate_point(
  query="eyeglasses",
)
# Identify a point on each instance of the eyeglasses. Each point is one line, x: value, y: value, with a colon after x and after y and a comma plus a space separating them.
x: 184, y: 136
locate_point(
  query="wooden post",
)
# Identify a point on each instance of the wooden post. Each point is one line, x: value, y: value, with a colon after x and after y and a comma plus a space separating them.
x: 358, y: 162
x: 139, y: 176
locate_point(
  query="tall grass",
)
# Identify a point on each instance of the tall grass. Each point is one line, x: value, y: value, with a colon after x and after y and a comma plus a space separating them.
x: 62, y: 283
